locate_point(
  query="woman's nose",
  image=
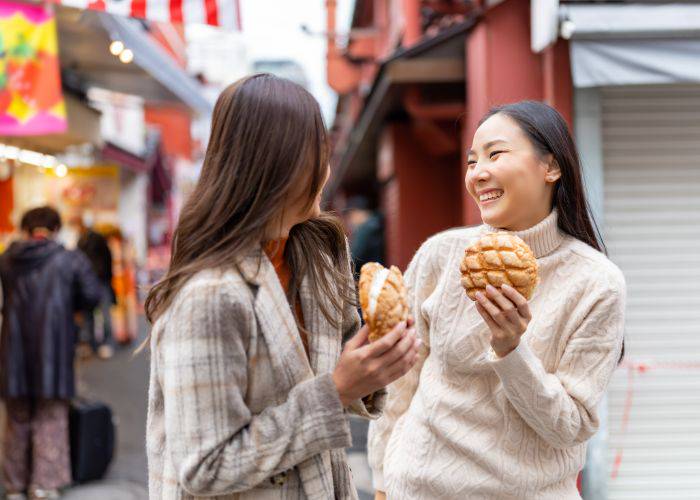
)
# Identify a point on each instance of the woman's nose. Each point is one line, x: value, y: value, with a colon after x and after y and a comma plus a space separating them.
x: 478, y: 173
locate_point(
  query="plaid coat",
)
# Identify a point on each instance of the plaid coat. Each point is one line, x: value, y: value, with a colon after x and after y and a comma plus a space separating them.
x: 236, y: 409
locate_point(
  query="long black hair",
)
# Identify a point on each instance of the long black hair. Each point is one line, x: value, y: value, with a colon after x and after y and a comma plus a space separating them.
x: 549, y: 134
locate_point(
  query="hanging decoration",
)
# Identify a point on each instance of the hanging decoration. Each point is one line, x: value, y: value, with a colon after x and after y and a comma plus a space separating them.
x: 31, y: 101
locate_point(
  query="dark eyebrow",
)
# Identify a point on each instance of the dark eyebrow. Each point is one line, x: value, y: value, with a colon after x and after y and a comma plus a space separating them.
x: 488, y: 145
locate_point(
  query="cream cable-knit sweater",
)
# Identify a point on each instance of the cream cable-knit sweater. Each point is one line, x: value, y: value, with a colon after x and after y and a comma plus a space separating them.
x: 465, y: 425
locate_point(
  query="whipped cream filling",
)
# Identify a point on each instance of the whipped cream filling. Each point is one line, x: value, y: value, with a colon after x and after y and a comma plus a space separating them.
x: 375, y: 289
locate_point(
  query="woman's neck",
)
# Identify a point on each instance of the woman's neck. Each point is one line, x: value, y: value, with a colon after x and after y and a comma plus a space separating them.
x: 278, y: 230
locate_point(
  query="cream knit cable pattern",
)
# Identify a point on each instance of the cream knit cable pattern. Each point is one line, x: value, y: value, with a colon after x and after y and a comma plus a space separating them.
x: 463, y: 424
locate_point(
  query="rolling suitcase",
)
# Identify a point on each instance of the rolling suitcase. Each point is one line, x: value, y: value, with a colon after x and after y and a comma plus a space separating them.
x: 92, y: 437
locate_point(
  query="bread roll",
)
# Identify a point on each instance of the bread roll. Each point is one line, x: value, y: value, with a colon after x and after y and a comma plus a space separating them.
x: 499, y: 259
x: 382, y: 298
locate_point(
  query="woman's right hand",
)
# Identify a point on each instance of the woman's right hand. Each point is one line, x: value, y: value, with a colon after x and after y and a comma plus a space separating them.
x: 364, y: 367
x: 379, y: 495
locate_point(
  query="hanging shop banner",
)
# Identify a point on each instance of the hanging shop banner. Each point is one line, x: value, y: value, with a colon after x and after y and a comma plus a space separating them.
x: 222, y: 13
x: 31, y: 102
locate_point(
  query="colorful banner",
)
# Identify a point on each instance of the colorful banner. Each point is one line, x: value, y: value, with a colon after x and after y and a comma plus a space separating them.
x: 31, y: 102
x: 222, y: 13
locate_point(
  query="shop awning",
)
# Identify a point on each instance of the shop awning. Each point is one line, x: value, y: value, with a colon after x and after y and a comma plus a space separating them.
x: 434, y: 62
x: 632, y: 44
x: 138, y: 164
x: 84, y: 39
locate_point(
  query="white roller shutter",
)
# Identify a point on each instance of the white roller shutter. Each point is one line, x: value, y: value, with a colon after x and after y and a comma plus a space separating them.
x: 651, y: 152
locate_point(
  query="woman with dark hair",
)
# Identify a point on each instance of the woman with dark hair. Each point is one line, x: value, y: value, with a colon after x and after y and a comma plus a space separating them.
x: 249, y: 377
x: 504, y: 395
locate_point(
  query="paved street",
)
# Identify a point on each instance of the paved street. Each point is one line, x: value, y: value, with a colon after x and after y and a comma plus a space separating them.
x: 357, y: 458
x: 122, y: 383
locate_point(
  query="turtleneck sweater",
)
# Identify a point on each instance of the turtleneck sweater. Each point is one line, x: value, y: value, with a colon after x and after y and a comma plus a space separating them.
x: 467, y: 424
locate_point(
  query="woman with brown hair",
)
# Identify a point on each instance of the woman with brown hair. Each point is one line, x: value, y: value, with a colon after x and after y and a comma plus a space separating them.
x: 249, y: 376
x: 504, y: 397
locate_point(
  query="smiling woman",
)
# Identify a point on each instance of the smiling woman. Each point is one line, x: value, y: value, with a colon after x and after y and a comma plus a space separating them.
x: 506, y: 389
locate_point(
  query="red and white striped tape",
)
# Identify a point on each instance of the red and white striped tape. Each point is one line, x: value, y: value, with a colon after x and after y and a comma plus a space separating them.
x: 222, y: 13
x: 634, y: 368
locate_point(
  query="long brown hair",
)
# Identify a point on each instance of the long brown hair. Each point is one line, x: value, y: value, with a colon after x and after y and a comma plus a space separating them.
x: 267, y: 140
x: 547, y: 131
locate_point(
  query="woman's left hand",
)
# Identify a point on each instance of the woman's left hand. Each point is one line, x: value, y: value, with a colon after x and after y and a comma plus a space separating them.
x: 507, y: 314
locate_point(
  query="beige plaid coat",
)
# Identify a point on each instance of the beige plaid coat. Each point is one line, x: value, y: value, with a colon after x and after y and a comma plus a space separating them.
x: 236, y: 409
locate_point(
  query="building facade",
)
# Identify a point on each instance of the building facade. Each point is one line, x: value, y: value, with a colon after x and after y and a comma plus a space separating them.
x: 414, y: 79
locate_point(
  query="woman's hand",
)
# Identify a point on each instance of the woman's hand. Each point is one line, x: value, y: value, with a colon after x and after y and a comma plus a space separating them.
x: 507, y: 314
x: 365, y: 368
x: 379, y: 495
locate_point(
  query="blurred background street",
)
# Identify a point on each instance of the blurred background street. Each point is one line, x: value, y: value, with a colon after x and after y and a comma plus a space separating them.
x: 105, y: 111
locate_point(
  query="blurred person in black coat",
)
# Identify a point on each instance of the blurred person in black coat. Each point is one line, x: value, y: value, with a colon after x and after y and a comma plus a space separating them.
x: 366, y: 228
x: 96, y: 248
x: 43, y: 286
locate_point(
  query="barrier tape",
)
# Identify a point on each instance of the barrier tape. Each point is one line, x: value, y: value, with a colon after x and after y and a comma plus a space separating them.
x: 641, y: 368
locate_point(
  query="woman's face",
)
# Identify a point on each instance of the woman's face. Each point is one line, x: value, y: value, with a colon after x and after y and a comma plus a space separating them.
x: 297, y: 211
x: 508, y: 179
x: 315, y: 209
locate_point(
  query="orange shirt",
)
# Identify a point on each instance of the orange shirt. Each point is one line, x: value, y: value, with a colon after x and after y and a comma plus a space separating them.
x: 275, y: 252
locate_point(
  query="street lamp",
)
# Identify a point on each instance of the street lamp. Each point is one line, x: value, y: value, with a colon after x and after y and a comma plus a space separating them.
x: 126, y: 56
x: 116, y: 47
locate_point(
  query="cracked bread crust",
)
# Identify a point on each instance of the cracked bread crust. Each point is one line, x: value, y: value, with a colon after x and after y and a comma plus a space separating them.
x: 392, y: 303
x: 499, y: 259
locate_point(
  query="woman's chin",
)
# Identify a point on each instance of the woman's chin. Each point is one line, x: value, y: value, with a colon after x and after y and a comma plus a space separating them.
x: 494, y: 217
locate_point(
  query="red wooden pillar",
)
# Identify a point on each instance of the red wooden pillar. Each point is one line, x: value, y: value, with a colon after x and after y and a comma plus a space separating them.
x: 420, y: 195
x: 412, y: 17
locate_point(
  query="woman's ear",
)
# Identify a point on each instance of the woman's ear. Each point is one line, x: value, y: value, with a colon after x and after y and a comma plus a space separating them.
x: 553, y: 173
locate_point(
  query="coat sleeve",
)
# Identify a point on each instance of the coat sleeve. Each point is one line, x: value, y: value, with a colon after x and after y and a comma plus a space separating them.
x: 217, y: 445
x: 87, y: 291
x: 561, y: 406
x: 420, y: 279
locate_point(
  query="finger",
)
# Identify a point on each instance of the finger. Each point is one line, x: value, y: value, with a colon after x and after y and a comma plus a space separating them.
x: 487, y: 317
x: 359, y: 339
x: 399, y: 349
x: 410, y: 322
x: 402, y: 365
x: 379, y: 347
x: 493, y: 311
x: 517, y: 299
x: 508, y: 308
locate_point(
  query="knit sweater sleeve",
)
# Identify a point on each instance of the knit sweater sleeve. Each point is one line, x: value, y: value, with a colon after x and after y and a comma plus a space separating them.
x: 420, y: 279
x: 561, y: 406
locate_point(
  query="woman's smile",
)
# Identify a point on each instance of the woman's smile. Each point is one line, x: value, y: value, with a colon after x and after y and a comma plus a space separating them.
x: 490, y: 196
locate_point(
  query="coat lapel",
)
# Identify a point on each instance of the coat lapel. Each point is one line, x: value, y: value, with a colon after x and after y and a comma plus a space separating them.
x: 287, y: 351
x: 275, y: 319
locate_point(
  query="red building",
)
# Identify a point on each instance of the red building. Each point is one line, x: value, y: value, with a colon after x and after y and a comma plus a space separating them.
x: 414, y: 79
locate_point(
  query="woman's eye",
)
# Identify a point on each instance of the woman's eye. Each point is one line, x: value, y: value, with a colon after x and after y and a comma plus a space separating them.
x: 494, y: 154
x: 471, y: 164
